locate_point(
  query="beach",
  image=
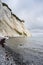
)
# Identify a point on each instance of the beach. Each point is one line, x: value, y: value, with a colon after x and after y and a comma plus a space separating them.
x: 30, y: 53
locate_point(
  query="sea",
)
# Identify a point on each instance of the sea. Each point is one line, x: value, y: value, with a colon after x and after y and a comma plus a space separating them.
x: 31, y: 53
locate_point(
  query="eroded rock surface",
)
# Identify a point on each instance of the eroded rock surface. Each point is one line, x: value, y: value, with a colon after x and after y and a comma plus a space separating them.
x: 10, y: 24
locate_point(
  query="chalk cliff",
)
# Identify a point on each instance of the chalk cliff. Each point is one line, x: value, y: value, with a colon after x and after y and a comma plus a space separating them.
x: 10, y: 24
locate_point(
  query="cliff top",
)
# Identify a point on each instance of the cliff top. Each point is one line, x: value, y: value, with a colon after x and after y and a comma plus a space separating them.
x: 4, y: 4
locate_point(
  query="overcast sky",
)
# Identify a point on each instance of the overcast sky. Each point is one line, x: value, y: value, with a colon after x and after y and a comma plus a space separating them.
x: 29, y: 10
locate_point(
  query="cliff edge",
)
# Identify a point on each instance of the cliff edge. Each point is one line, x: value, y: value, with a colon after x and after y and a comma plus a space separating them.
x: 10, y: 24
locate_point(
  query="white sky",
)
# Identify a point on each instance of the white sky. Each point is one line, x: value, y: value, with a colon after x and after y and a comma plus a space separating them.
x: 29, y: 10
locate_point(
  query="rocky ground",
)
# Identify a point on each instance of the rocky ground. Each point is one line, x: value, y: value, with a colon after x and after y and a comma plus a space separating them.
x: 5, y: 57
x: 8, y: 57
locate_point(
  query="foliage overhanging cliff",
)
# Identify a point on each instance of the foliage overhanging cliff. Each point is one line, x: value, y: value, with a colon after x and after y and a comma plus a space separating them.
x: 10, y: 24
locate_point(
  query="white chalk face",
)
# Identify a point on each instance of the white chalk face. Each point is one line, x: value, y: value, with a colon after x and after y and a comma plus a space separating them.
x: 29, y: 10
x: 11, y: 25
x: 0, y: 10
